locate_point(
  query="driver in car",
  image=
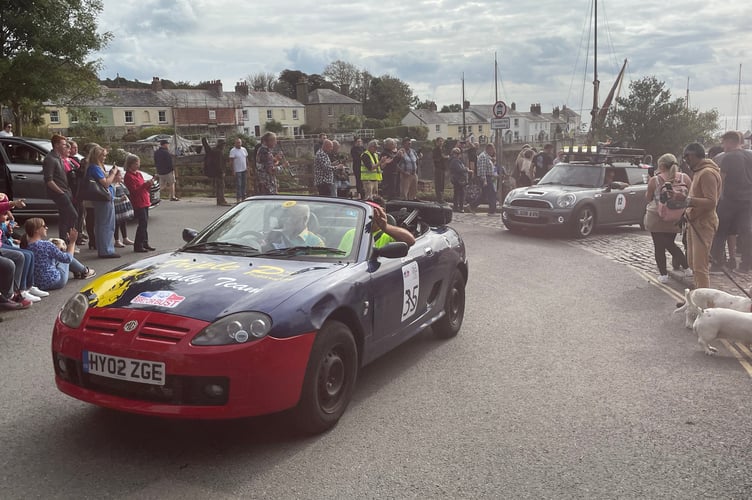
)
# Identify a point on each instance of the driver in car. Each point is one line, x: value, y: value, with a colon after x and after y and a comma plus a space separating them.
x: 294, y: 232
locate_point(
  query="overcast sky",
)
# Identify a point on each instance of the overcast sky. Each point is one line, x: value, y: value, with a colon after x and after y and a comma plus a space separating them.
x: 542, y: 46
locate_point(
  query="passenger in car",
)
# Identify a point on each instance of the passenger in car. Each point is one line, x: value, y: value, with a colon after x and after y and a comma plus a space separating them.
x: 382, y: 229
x: 294, y: 232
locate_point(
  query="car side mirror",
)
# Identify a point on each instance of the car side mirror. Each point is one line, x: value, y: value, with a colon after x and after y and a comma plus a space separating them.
x: 391, y: 250
x: 189, y: 234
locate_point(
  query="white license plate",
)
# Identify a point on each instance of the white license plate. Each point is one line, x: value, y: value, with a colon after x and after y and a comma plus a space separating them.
x: 132, y: 370
x: 527, y: 213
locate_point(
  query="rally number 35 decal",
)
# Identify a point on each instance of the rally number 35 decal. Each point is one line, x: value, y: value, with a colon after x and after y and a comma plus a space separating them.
x: 411, y: 289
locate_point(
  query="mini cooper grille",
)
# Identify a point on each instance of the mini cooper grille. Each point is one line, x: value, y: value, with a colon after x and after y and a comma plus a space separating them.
x: 531, y: 203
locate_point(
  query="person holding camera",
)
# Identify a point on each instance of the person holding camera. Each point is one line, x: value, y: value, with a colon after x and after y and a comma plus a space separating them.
x: 664, y: 232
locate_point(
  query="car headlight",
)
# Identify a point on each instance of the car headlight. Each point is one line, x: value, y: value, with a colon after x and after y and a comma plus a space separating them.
x: 510, y: 196
x: 74, y: 310
x: 236, y: 328
x: 566, y: 201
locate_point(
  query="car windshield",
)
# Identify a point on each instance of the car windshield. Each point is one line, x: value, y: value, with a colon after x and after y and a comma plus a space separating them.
x: 285, y: 228
x: 573, y: 175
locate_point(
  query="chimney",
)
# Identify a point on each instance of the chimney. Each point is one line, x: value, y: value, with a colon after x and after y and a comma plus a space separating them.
x: 344, y: 89
x: 241, y: 88
x: 556, y: 112
x: 156, y: 84
x: 514, y: 106
x: 215, y: 87
x: 432, y: 106
x: 301, y: 91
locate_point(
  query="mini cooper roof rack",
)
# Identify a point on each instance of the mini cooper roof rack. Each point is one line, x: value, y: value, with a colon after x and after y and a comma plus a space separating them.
x: 603, y: 154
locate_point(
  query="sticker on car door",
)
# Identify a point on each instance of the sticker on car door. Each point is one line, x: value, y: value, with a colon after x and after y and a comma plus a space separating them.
x: 621, y: 203
x: 411, y: 289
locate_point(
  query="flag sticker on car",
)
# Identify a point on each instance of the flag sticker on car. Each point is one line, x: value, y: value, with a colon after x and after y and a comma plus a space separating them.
x: 162, y: 298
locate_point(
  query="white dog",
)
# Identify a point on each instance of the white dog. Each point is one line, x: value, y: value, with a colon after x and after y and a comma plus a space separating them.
x: 718, y: 323
x: 705, y: 298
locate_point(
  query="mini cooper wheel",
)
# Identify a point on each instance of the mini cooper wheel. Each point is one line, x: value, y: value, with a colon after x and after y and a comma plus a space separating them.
x: 454, y: 308
x: 329, y: 380
x: 583, y: 222
x: 512, y: 228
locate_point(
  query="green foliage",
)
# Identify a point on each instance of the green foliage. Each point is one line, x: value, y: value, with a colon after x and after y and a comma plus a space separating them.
x: 248, y: 141
x: 427, y: 104
x: 388, y: 95
x: 116, y: 156
x: 350, y: 122
x: 274, y: 126
x: 648, y: 118
x: 373, y: 123
x: 45, y: 51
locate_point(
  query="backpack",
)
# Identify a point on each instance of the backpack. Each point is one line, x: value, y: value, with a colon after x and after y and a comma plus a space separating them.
x: 664, y: 198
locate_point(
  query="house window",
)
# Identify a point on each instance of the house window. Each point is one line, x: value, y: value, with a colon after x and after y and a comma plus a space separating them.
x: 269, y: 115
x: 480, y: 129
x: 469, y: 129
x: 54, y: 116
x: 438, y: 128
x: 147, y: 117
x: 129, y: 117
x: 162, y: 116
x: 245, y: 117
x: 296, y: 131
x: 74, y: 117
x: 330, y: 111
x: 94, y: 117
x: 516, y: 122
x: 212, y: 114
x: 295, y: 115
x: 246, y: 131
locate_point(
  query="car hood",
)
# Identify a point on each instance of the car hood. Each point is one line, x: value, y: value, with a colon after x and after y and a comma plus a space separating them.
x: 548, y: 191
x: 205, y: 287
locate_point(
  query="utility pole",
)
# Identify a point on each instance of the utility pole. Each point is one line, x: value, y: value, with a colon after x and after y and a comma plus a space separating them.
x: 463, y: 107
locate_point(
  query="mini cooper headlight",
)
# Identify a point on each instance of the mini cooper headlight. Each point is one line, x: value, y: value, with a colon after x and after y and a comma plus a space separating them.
x: 74, y: 310
x: 236, y: 328
x: 566, y: 201
x: 510, y: 196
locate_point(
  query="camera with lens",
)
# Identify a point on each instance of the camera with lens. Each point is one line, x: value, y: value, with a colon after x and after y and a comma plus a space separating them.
x: 666, y: 192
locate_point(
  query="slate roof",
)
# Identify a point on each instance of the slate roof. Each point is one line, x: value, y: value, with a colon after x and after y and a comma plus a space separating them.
x: 328, y: 96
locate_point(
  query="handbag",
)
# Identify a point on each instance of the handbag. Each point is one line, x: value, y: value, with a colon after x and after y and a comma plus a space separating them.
x: 95, y: 191
x: 123, y: 209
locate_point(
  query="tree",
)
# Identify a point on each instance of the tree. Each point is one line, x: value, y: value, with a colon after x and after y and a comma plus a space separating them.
x: 261, y: 81
x: 388, y: 96
x: 342, y: 73
x: 452, y: 108
x: 427, y: 104
x: 350, y: 122
x: 649, y: 119
x: 274, y: 126
x: 44, y: 50
x: 288, y: 81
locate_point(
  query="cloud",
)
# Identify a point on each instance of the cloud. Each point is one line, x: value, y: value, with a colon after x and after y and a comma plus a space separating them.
x: 544, y: 48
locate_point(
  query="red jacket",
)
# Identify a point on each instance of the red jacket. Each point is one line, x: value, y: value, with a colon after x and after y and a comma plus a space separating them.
x: 139, y: 190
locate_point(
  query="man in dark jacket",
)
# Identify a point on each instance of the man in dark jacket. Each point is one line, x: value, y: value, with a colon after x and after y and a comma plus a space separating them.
x: 439, y: 169
x: 165, y: 169
x: 56, y: 181
x: 355, y: 153
x: 214, y: 168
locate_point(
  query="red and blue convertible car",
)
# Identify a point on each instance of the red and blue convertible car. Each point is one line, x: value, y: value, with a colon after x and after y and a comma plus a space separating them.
x: 274, y: 306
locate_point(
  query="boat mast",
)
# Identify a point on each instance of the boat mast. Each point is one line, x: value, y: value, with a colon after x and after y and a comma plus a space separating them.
x: 738, y: 97
x: 596, y: 83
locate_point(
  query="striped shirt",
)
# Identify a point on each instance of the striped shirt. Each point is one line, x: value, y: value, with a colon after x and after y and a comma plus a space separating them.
x: 484, y: 166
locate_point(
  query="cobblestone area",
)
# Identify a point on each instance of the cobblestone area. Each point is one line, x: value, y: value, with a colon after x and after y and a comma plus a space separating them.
x: 628, y: 245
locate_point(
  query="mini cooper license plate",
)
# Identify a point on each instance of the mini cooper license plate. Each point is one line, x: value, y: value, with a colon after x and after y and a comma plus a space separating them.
x: 527, y: 213
x: 132, y: 370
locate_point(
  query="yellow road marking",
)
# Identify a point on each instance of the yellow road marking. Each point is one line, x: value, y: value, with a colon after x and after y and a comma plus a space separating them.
x: 742, y: 361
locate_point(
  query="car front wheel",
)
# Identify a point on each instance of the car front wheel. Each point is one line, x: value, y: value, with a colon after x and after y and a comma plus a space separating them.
x: 454, y: 308
x: 583, y: 222
x: 330, y: 379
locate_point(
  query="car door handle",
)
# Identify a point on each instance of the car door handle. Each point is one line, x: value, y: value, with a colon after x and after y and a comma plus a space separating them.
x: 20, y: 177
x: 632, y: 193
x: 428, y: 251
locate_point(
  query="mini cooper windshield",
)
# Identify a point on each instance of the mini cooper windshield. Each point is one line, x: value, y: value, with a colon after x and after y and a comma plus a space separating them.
x: 573, y: 175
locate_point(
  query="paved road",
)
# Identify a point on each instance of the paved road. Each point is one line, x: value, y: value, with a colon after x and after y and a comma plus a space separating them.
x: 569, y: 379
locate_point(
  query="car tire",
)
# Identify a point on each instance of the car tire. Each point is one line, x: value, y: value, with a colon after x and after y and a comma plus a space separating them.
x: 583, y: 222
x: 454, y: 308
x: 329, y: 380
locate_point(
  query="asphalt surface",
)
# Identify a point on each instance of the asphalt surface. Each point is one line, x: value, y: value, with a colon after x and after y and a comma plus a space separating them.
x: 570, y: 379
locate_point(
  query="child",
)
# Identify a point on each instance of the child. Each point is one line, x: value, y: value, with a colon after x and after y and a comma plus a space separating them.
x: 122, y: 210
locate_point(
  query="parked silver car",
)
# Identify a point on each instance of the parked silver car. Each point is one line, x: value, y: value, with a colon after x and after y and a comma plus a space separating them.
x: 21, y: 161
x: 587, y: 191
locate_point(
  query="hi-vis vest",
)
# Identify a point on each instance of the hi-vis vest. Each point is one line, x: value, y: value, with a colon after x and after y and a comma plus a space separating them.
x: 370, y: 175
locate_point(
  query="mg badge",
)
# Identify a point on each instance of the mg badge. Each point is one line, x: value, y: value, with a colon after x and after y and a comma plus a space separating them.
x: 130, y: 326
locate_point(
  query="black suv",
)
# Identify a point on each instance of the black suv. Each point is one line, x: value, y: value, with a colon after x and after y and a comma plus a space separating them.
x: 590, y: 188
